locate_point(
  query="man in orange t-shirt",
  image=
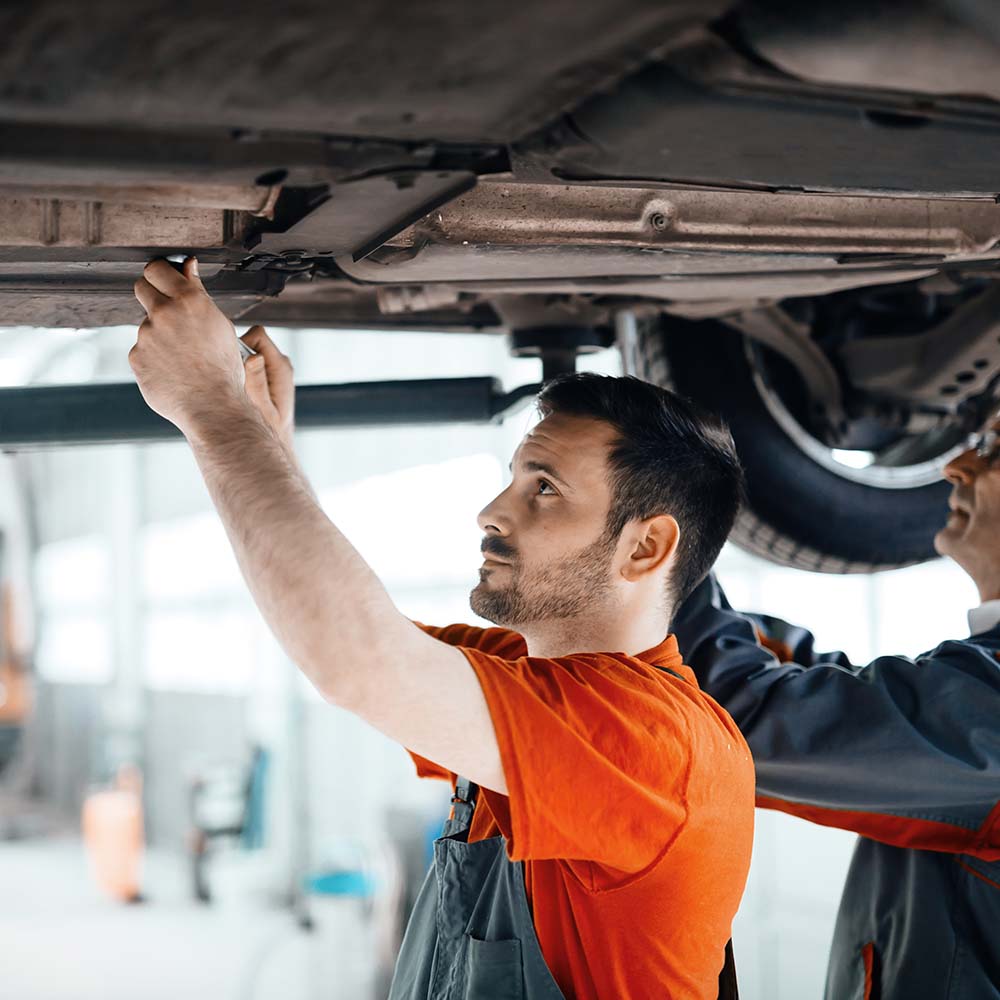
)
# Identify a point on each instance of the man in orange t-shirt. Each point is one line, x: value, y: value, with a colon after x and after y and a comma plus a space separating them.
x: 600, y: 836
x: 622, y: 763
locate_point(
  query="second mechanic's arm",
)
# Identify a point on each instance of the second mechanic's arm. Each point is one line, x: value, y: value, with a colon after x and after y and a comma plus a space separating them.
x: 902, y: 751
x: 322, y: 601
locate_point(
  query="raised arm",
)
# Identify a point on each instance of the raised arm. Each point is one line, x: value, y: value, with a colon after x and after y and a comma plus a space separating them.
x: 902, y: 751
x: 325, y: 605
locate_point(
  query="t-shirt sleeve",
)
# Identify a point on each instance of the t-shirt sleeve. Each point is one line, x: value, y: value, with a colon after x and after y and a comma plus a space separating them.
x: 497, y: 641
x: 595, y: 754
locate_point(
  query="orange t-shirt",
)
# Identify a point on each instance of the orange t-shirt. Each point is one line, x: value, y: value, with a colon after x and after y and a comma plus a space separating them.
x: 630, y: 801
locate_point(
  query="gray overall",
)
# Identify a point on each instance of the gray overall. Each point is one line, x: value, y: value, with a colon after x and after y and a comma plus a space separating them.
x: 471, y: 935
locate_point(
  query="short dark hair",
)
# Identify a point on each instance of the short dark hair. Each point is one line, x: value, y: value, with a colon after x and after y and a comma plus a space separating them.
x: 670, y: 457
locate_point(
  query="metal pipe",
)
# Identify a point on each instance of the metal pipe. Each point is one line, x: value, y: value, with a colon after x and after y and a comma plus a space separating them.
x: 37, y: 416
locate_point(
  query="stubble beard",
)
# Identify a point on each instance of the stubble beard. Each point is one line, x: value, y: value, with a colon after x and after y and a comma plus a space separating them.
x: 555, y: 592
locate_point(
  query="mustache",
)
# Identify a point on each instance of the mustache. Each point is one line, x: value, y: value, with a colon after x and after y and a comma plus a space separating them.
x: 494, y: 546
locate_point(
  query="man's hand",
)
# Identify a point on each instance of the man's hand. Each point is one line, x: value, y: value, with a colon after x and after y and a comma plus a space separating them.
x: 270, y: 384
x: 186, y: 359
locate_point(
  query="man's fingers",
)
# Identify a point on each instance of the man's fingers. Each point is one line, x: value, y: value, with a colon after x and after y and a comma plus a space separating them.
x: 191, y: 270
x: 256, y: 371
x: 257, y: 338
x: 256, y: 383
x: 166, y: 279
x: 148, y: 296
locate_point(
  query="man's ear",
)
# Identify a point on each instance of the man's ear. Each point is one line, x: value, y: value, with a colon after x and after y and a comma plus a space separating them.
x: 651, y: 544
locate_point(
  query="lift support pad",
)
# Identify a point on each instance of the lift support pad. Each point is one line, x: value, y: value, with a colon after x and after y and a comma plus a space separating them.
x: 37, y: 416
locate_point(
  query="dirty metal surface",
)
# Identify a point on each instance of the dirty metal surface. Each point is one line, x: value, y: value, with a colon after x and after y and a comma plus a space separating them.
x: 703, y: 219
x: 256, y: 199
x: 61, y: 223
x: 86, y: 294
x: 439, y: 69
x: 930, y: 48
x: 703, y: 117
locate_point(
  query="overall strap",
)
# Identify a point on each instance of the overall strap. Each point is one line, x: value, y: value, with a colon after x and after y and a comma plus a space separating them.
x: 728, y: 988
x: 463, y: 804
x: 673, y: 673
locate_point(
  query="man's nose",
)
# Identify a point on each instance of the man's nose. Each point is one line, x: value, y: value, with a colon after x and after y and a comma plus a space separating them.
x: 963, y: 469
x: 492, y: 518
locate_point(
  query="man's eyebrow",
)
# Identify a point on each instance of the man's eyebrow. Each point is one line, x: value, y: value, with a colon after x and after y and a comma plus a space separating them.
x: 533, y: 466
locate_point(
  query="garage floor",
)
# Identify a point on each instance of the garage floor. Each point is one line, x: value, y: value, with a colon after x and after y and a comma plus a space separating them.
x: 61, y: 940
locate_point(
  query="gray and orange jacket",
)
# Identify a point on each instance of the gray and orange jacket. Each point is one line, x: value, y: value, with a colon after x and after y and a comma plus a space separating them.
x: 905, y: 753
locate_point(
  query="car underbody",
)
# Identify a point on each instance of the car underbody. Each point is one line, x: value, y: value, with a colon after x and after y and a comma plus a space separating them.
x: 816, y: 183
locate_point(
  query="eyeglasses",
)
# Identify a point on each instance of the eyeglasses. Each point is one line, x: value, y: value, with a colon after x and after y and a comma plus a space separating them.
x: 986, y: 443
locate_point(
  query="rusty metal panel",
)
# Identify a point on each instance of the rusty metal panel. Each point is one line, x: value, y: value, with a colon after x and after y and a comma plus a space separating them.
x: 698, y: 219
x: 54, y: 222
x: 88, y: 294
x: 258, y: 200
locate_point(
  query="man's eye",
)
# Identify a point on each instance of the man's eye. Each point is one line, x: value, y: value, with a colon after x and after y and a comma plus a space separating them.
x: 545, y: 487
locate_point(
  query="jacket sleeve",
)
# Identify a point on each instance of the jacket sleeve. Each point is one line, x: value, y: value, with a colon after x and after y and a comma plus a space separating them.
x: 903, y: 751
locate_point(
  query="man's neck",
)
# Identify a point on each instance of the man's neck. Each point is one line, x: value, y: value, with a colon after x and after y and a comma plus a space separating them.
x: 987, y: 581
x: 565, y: 636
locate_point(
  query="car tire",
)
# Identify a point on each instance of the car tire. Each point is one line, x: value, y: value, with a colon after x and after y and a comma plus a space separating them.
x: 798, y: 513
